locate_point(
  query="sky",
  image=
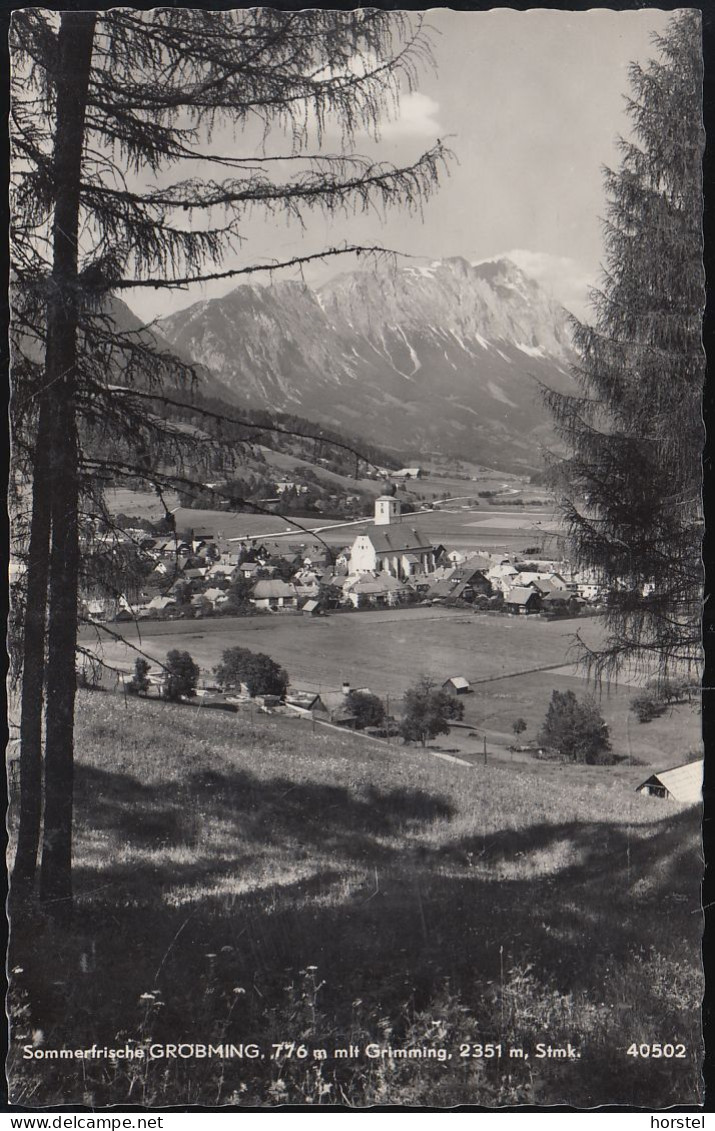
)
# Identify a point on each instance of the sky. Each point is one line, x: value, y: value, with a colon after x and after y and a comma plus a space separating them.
x: 531, y: 104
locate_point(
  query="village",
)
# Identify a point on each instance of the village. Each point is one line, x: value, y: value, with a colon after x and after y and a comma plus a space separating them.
x: 390, y: 581
x: 390, y: 564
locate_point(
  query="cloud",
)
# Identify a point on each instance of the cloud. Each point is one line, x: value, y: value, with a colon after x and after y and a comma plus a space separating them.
x: 416, y: 117
x: 566, y: 278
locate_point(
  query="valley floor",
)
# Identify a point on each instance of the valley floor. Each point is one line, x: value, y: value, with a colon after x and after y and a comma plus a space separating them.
x: 513, y: 664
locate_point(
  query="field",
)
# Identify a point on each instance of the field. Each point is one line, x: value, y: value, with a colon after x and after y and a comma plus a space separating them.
x: 386, y: 650
x: 250, y: 883
x: 509, y: 529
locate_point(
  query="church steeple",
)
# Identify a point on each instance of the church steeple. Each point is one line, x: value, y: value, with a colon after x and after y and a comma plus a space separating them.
x: 387, y: 507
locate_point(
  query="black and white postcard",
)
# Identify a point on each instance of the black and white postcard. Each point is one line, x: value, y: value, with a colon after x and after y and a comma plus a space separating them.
x: 356, y: 577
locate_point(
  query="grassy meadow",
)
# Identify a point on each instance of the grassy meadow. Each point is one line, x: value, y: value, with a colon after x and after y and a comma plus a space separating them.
x: 386, y: 650
x: 240, y: 882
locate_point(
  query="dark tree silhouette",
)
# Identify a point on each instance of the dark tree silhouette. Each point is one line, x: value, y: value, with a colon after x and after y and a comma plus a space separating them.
x: 427, y: 711
x: 575, y: 729
x: 261, y: 674
x: 368, y: 709
x: 631, y: 488
x: 101, y: 102
x: 181, y: 676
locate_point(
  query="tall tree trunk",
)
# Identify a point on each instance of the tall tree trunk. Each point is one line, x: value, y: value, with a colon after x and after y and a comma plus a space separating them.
x: 33, y: 666
x: 75, y: 40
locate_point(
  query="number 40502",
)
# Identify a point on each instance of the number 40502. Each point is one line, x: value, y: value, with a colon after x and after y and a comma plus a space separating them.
x: 656, y: 1051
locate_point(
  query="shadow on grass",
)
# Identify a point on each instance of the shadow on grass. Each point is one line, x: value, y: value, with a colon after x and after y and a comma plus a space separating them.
x: 270, y: 812
x: 390, y: 933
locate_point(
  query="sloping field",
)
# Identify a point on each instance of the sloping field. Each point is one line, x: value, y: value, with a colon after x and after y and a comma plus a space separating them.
x: 387, y: 650
x: 240, y: 883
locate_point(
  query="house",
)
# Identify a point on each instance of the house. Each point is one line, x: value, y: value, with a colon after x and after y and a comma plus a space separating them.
x: 502, y: 576
x: 522, y: 599
x: 473, y: 576
x: 457, y: 685
x: 248, y: 570
x: 302, y: 700
x: 682, y: 783
x: 441, y: 590
x: 374, y: 589
x: 272, y: 593
x: 561, y: 602
x: 389, y: 546
x: 215, y: 596
x: 159, y: 604
x: 408, y: 473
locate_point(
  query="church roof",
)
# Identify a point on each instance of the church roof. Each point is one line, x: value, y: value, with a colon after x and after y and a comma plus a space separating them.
x: 397, y: 539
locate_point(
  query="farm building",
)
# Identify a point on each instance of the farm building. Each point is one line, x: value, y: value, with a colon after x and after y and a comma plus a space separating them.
x: 522, y: 600
x: 457, y: 685
x: 682, y: 783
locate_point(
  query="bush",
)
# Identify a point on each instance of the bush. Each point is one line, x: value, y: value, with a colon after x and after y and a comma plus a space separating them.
x: 518, y: 726
x: 646, y: 707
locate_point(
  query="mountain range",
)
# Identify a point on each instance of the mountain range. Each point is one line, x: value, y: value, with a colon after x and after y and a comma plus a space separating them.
x: 442, y: 358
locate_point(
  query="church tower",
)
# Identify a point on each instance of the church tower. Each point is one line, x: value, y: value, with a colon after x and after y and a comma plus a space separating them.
x: 387, y: 507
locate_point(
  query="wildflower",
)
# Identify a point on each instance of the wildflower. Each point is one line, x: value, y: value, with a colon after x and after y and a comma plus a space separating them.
x: 238, y: 990
x: 146, y: 997
x: 38, y: 1037
x: 226, y: 950
x: 17, y: 970
x: 310, y: 969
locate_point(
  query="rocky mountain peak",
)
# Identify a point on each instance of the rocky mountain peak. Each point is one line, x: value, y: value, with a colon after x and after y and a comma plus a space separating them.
x: 445, y: 354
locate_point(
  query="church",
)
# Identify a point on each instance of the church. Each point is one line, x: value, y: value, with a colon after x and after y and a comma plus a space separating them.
x: 389, y: 546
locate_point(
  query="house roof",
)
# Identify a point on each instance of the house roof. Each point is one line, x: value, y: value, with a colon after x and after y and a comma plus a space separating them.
x: 300, y: 698
x: 558, y: 597
x: 520, y: 595
x: 684, y: 783
x: 213, y: 594
x: 397, y: 539
x: 383, y: 583
x: 441, y: 588
x: 458, y: 681
x: 310, y: 606
x: 273, y: 587
x: 160, y: 602
x: 478, y: 560
x: 336, y: 704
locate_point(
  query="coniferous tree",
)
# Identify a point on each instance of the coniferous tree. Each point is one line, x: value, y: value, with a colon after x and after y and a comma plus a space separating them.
x: 631, y: 487
x: 101, y: 103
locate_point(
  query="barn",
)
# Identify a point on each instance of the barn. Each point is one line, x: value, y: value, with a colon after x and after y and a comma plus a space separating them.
x: 457, y: 685
x: 681, y: 783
